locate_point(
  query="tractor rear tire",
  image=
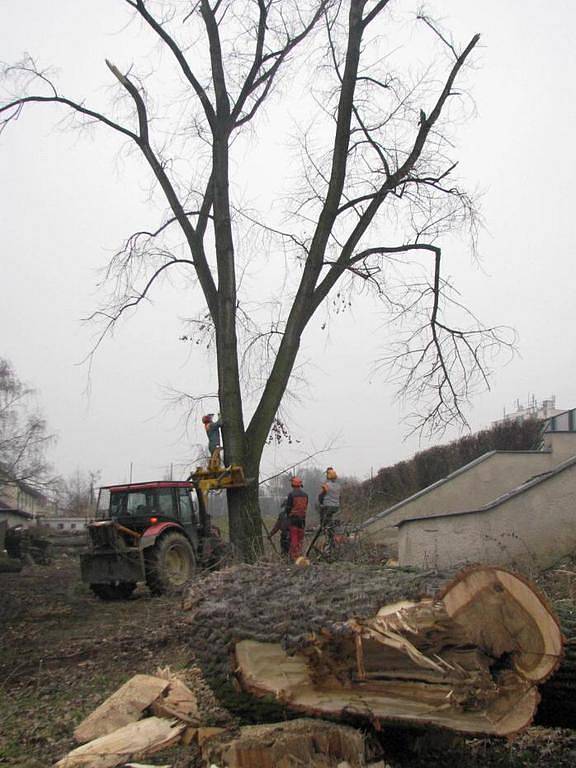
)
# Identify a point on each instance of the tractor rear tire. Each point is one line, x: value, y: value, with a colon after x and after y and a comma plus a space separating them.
x: 170, y: 563
x: 121, y: 591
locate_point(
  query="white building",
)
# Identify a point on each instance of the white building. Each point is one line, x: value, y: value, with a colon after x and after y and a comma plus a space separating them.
x: 534, y: 410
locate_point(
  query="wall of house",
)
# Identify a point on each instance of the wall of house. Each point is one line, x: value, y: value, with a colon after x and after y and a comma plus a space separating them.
x: 17, y: 497
x: 562, y: 445
x: 474, y: 485
x: 13, y: 519
x: 65, y: 523
x: 534, y: 527
x: 9, y: 495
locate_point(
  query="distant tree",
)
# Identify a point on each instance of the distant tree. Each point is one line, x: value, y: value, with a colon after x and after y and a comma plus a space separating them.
x: 393, y: 484
x: 24, y: 435
x: 376, y: 196
x: 77, y: 495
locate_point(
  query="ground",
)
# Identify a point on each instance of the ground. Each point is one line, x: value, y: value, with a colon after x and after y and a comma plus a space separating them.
x: 64, y: 651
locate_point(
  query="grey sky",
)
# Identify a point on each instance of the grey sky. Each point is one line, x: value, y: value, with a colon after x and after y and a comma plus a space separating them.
x: 67, y: 200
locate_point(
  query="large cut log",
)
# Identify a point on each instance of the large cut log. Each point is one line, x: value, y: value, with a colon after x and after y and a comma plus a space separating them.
x: 463, y: 651
x: 558, y: 704
x: 312, y: 743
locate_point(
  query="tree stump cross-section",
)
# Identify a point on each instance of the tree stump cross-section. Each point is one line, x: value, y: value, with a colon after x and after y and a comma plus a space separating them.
x: 462, y: 651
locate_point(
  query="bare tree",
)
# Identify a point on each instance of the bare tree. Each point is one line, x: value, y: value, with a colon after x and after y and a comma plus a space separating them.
x: 77, y: 494
x: 24, y: 437
x: 378, y: 188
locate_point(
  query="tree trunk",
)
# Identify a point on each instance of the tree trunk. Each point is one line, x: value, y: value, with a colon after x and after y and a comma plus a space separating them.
x: 245, y: 522
x: 464, y: 652
x: 558, y: 705
x: 311, y: 743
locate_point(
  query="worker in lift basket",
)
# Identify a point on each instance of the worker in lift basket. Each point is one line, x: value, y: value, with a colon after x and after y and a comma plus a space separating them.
x: 296, y: 505
x: 214, y: 443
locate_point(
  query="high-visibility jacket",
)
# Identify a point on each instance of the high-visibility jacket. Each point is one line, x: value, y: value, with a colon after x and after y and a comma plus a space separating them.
x: 296, y: 503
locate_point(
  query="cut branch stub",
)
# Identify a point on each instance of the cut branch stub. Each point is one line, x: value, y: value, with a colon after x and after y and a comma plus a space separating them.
x: 467, y: 655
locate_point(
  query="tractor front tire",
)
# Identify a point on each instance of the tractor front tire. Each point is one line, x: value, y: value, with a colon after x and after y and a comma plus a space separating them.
x: 170, y: 563
x: 121, y: 591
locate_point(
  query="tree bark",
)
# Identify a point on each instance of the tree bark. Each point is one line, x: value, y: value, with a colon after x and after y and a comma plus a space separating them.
x: 244, y: 518
x: 461, y: 651
x: 558, y: 705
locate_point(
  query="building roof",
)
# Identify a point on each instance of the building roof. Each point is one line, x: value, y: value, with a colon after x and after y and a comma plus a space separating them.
x: 19, y: 512
x: 528, y: 485
x: 385, y: 512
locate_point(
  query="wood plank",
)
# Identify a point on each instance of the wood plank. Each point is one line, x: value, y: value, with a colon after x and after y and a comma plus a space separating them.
x: 133, y: 741
x: 125, y: 706
x: 177, y: 701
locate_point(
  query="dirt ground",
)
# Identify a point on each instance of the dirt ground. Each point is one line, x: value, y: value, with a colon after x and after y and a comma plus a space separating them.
x: 63, y: 651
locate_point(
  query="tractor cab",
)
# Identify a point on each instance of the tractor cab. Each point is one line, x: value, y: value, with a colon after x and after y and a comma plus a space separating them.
x: 141, y: 506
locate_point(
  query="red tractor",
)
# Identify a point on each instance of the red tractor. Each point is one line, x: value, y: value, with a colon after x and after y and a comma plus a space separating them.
x: 150, y: 532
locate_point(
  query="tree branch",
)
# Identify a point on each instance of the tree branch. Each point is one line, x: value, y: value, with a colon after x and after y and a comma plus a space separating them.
x: 194, y: 241
x: 13, y: 109
x: 162, y: 33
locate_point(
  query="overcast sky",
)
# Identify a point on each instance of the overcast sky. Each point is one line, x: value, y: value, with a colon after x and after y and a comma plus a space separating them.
x: 67, y: 200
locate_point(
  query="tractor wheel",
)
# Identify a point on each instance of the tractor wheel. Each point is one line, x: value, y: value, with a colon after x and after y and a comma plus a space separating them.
x: 170, y: 563
x: 121, y: 591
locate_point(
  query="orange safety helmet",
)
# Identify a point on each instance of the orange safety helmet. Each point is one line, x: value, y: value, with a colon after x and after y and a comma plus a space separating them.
x: 331, y: 474
x: 296, y: 482
x: 207, y: 419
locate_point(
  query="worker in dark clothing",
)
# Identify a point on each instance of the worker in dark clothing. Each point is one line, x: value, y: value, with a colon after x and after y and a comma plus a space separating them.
x: 296, y: 505
x: 329, y: 500
x: 282, y: 524
x: 214, y: 442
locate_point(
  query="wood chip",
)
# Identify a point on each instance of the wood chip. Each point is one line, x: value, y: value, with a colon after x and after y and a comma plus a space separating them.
x: 177, y: 701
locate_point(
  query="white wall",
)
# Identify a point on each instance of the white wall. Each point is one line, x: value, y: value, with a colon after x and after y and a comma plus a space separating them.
x: 474, y: 485
x: 534, y: 527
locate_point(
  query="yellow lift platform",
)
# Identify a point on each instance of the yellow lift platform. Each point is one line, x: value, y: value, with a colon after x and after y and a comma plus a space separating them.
x: 217, y: 477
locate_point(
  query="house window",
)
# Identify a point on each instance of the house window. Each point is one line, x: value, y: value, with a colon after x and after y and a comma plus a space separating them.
x: 72, y: 525
x: 60, y: 525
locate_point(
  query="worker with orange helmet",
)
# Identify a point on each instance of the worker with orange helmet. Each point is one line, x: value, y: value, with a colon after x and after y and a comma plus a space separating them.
x: 296, y: 505
x: 329, y: 499
x: 212, y: 432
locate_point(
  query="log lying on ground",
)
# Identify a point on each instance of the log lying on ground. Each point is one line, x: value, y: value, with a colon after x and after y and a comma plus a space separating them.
x: 313, y: 743
x: 464, y: 652
x: 558, y: 704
